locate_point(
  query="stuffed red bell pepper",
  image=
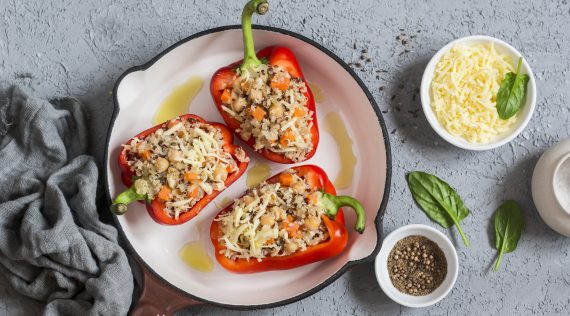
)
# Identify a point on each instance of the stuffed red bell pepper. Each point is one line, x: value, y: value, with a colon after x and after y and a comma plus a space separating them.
x: 178, y: 167
x: 292, y: 219
x: 265, y: 99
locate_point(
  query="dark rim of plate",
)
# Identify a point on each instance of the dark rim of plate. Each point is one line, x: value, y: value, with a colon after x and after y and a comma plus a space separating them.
x: 379, y: 217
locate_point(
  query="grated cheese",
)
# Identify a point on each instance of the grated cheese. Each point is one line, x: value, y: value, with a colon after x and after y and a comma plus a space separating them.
x: 186, y: 147
x: 261, y: 224
x: 252, y: 90
x: 464, y: 90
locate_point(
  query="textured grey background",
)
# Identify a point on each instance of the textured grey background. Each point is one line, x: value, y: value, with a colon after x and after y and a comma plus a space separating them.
x: 80, y: 48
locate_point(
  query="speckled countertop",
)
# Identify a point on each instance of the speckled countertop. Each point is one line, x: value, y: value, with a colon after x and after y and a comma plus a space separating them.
x: 80, y: 48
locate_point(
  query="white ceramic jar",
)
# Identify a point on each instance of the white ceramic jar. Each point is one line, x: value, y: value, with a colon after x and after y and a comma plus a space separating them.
x: 549, y: 187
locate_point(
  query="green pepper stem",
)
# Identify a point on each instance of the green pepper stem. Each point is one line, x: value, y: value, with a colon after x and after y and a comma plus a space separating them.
x: 119, y: 206
x: 249, y: 57
x: 334, y: 203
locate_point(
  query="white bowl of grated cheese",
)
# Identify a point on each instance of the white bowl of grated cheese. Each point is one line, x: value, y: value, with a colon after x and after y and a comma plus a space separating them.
x: 459, y: 87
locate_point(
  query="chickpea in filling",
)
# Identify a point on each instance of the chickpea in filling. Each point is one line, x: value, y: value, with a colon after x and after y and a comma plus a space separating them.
x: 180, y: 163
x: 270, y: 105
x: 274, y: 219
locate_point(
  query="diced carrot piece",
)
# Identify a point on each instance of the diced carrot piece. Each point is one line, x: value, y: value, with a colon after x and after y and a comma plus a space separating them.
x: 258, y: 113
x: 171, y: 123
x: 313, y: 198
x: 299, y: 112
x: 286, y: 179
x: 311, y: 177
x: 281, y: 83
x: 312, y: 180
x: 270, y: 241
x: 292, y: 227
x: 286, y: 221
x: 194, y: 193
x: 229, y: 169
x: 164, y: 193
x: 289, y: 136
x: 283, y: 142
x: 226, y: 96
x: 146, y: 154
x: 296, y: 233
x: 189, y: 176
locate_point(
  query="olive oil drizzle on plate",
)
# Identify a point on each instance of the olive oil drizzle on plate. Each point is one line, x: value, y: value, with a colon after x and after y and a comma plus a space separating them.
x: 195, y: 255
x: 257, y: 174
x: 178, y: 101
x: 336, y: 128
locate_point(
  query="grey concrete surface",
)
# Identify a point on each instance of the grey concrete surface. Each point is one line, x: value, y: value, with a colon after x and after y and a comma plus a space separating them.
x: 80, y: 48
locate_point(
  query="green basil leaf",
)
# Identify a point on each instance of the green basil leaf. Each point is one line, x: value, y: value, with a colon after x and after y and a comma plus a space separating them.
x: 438, y: 200
x: 508, y: 228
x: 511, y: 95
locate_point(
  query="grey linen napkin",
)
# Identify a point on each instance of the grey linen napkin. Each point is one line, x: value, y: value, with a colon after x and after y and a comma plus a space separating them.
x: 53, y: 247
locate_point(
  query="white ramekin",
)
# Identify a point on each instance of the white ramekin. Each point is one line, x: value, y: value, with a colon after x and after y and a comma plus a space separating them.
x: 383, y: 277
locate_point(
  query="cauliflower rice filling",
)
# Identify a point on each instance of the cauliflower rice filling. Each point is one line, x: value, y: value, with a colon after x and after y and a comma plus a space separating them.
x: 270, y: 105
x: 273, y: 220
x: 180, y: 163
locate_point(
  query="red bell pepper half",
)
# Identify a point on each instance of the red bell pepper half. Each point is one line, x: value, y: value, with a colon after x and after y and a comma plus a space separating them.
x: 155, y: 207
x: 276, y: 56
x: 333, y: 220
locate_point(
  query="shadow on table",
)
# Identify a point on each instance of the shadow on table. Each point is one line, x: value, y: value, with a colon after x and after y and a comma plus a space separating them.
x: 405, y: 106
x: 366, y: 289
x: 517, y: 186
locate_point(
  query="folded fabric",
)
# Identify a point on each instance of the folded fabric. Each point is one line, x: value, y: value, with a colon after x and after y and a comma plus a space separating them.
x: 53, y: 247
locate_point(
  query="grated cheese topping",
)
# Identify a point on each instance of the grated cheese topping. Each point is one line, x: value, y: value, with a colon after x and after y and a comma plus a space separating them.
x: 180, y: 163
x: 272, y: 220
x: 270, y: 105
x: 464, y: 90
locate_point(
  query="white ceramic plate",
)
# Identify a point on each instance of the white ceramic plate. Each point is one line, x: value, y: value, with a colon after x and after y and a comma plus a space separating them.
x: 139, y: 92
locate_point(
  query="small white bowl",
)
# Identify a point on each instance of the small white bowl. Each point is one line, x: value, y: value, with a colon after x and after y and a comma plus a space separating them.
x: 523, y: 117
x: 383, y: 277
